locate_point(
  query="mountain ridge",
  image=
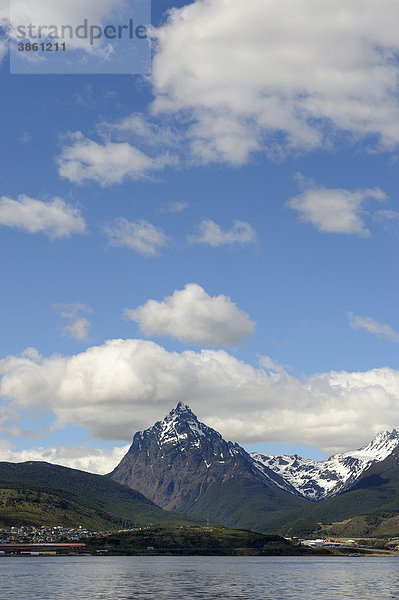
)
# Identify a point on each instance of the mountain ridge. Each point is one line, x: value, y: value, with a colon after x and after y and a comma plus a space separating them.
x: 318, y: 480
x: 180, y: 432
x: 185, y: 466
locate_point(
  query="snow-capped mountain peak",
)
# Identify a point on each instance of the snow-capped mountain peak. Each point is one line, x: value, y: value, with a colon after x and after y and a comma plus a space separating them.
x: 379, y: 448
x: 316, y: 480
x: 180, y: 428
x: 176, y: 460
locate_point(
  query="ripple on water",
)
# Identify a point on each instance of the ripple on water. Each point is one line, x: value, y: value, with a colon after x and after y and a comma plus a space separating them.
x: 199, y: 578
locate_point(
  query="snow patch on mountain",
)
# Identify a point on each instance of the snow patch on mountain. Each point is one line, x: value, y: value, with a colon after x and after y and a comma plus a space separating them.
x: 316, y: 480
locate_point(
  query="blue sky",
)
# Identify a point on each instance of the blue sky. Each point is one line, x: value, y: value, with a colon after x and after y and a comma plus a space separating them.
x: 287, y: 223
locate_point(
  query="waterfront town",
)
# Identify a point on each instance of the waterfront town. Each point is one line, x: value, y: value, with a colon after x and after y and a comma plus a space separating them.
x: 58, y: 540
x: 37, y: 535
x: 38, y: 541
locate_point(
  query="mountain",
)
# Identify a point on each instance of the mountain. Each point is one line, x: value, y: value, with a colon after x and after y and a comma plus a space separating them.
x: 323, y: 479
x: 184, y: 465
x: 369, y: 508
x: 174, y: 461
x: 39, y: 493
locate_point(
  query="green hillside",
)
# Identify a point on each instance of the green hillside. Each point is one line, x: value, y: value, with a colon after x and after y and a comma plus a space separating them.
x: 377, y: 525
x: 45, y: 494
x: 244, y: 504
x: 32, y: 507
x: 194, y: 540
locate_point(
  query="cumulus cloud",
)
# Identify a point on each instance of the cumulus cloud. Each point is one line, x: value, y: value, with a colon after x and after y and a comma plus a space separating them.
x: 125, y: 385
x: 107, y: 163
x: 78, y: 326
x: 278, y: 76
x: 192, y: 316
x: 55, y: 218
x: 85, y: 458
x: 335, y: 210
x: 141, y: 236
x: 212, y: 234
x: 233, y: 78
x: 369, y: 324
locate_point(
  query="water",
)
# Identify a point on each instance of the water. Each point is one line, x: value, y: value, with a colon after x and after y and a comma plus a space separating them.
x: 202, y: 578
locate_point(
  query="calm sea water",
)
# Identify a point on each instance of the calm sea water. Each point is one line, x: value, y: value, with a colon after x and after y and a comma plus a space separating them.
x: 192, y: 578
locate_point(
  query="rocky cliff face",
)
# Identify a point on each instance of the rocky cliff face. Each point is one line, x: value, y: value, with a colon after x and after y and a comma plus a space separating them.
x: 175, y: 461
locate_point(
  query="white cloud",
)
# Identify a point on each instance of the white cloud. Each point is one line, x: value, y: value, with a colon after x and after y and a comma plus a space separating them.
x: 79, y: 329
x: 275, y: 76
x: 125, y: 385
x: 141, y: 236
x: 78, y: 326
x: 369, y: 324
x: 192, y: 316
x: 143, y: 129
x: 212, y: 234
x: 85, y: 458
x: 335, y: 210
x: 108, y: 163
x: 174, y: 206
x: 56, y: 218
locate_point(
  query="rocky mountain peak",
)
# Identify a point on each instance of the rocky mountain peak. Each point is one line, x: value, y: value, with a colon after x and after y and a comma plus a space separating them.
x: 182, y: 409
x: 382, y: 445
x: 177, y: 459
x: 181, y: 429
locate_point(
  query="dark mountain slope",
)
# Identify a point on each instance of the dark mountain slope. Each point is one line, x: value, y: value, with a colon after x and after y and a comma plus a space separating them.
x: 42, y: 491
